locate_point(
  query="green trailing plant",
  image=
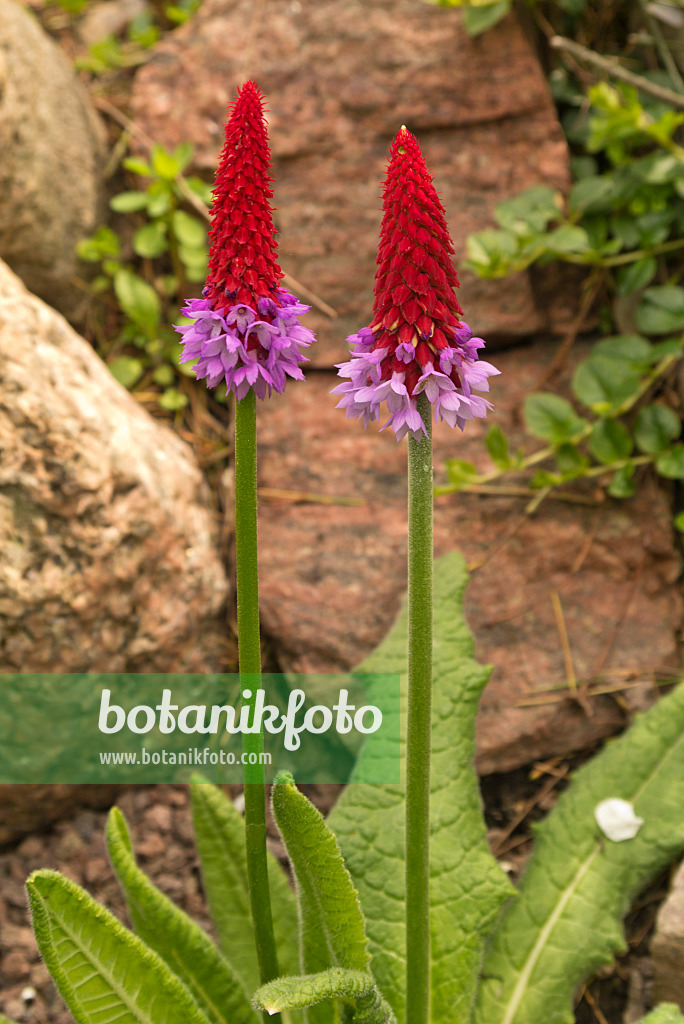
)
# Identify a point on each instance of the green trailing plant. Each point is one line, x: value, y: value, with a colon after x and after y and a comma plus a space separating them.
x: 623, y: 220
x: 170, y: 249
x: 342, y: 961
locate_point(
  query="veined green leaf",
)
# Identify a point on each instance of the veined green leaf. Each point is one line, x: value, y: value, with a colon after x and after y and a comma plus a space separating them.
x: 220, y: 837
x: 331, y: 925
x: 308, y: 990
x: 103, y: 971
x: 179, y: 941
x: 566, y: 922
x: 467, y: 885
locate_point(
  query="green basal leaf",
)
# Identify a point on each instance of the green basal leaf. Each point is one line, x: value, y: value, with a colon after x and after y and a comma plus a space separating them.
x: 180, y: 942
x: 355, y: 987
x: 622, y: 484
x: 671, y: 464
x: 656, y: 426
x: 661, y: 310
x: 603, y: 383
x: 610, y: 441
x: 220, y: 837
x: 478, y: 19
x: 467, y: 885
x: 636, y: 276
x: 551, y: 418
x: 103, y: 971
x: 567, y: 920
x: 331, y: 925
x: 497, y: 446
x: 138, y: 300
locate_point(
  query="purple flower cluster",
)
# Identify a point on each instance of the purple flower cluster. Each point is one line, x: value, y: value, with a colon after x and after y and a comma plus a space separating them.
x: 370, y: 384
x: 244, y: 347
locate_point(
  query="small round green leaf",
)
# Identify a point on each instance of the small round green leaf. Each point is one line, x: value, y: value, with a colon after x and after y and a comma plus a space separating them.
x: 172, y: 400
x: 655, y: 428
x: 637, y: 275
x: 671, y: 464
x: 630, y: 347
x: 622, y: 484
x: 497, y: 446
x: 603, y: 383
x: 189, y: 230
x: 610, y: 441
x: 477, y: 20
x: 138, y: 300
x: 127, y: 370
x: 661, y: 310
x: 149, y: 241
x: 164, y: 164
x: 570, y: 461
x: 129, y: 202
x: 551, y: 418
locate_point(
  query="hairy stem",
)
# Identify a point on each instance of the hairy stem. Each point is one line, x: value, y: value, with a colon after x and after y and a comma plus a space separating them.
x: 419, y: 722
x: 249, y: 650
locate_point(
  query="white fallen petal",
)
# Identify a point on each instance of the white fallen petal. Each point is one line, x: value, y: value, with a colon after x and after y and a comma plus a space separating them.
x: 617, y: 820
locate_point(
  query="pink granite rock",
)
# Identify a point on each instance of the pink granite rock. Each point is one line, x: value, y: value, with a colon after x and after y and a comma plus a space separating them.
x: 332, y: 575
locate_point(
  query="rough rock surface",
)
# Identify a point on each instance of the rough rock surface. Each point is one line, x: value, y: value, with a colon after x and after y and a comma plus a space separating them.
x: 339, y: 81
x: 332, y: 575
x: 51, y: 145
x: 667, y: 946
x: 109, y: 559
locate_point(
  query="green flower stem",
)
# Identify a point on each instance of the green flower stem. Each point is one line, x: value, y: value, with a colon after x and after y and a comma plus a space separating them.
x: 419, y: 722
x: 249, y: 650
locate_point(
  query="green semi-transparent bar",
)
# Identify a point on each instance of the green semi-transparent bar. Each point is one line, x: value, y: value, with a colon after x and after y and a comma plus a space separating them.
x: 162, y: 728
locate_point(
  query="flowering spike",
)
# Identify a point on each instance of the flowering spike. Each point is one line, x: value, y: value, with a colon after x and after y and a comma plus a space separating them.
x: 246, y: 328
x: 416, y: 341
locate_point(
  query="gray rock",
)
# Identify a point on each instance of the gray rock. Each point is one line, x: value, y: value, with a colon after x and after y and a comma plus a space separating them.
x: 109, y: 559
x: 52, y: 149
x: 667, y: 946
x: 339, y: 80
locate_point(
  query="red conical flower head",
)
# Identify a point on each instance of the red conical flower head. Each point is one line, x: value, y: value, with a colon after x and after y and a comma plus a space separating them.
x: 246, y: 331
x: 416, y: 342
x: 415, y: 301
x: 243, y: 266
